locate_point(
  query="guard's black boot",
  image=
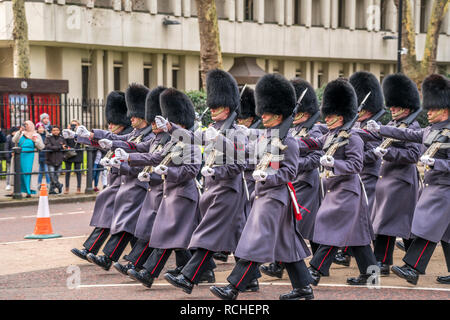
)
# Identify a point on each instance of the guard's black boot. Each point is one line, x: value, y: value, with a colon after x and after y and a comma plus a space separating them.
x: 80, y: 253
x: 123, y: 269
x: 315, y: 275
x: 361, y: 280
x: 225, y: 293
x: 407, y: 273
x: 175, y: 271
x: 208, y: 277
x: 102, y: 261
x: 400, y: 245
x: 180, y: 281
x: 384, y: 268
x: 220, y: 256
x: 342, y: 259
x: 299, y: 293
x: 273, y: 269
x: 252, y: 286
x: 443, y: 279
x: 142, y: 276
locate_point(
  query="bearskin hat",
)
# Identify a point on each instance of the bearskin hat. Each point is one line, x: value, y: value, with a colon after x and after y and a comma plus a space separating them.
x: 116, y: 109
x: 177, y: 107
x: 400, y: 91
x: 152, y: 106
x: 222, y: 90
x: 247, y: 109
x: 309, y: 103
x: 436, y: 92
x: 274, y: 94
x: 339, y: 98
x: 364, y: 82
x: 135, y: 96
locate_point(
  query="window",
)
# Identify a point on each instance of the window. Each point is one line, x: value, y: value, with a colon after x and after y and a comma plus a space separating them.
x: 117, y: 70
x: 423, y: 16
x: 316, y: 14
x: 341, y: 14
x: 175, y: 78
x: 383, y: 14
x: 147, y: 70
x: 248, y: 10
x: 297, y: 12
x: 84, y: 82
x: 360, y: 21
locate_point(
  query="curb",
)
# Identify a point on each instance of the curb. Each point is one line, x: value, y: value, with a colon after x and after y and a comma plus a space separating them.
x: 56, y: 200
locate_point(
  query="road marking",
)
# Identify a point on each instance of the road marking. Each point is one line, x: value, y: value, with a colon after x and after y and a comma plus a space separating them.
x: 264, y: 284
x: 8, y: 218
x: 52, y: 214
x: 27, y: 241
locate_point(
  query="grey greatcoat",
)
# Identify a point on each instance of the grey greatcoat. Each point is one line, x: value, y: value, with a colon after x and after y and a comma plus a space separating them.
x: 221, y: 204
x: 343, y: 217
x: 307, y: 183
x: 372, y: 163
x: 270, y: 232
x: 131, y: 194
x: 432, y: 214
x: 104, y: 203
x: 178, y: 213
x: 397, y: 189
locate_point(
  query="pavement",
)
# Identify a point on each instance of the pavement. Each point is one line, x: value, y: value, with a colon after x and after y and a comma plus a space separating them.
x: 47, y: 270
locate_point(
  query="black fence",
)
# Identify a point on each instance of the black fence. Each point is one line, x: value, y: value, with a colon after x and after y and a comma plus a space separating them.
x: 16, y: 109
x: 17, y: 151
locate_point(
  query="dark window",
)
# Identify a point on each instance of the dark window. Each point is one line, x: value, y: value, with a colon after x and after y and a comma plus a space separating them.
x: 383, y: 13
x: 116, y: 78
x: 297, y: 14
x: 248, y: 10
x: 341, y: 14
x: 423, y: 16
x: 84, y: 82
x: 147, y: 77
x: 174, y: 78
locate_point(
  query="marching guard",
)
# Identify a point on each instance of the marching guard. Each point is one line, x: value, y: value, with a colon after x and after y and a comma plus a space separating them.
x: 431, y: 222
x: 398, y: 177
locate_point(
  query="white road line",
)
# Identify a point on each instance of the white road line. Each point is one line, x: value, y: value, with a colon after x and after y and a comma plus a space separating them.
x: 52, y: 214
x: 8, y: 218
x: 265, y: 284
x: 26, y: 241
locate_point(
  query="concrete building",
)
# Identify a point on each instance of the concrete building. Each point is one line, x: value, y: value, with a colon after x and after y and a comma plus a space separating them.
x: 103, y: 45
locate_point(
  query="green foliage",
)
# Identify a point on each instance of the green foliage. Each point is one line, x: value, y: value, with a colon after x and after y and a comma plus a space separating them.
x: 319, y: 93
x: 198, y: 98
x: 422, y: 119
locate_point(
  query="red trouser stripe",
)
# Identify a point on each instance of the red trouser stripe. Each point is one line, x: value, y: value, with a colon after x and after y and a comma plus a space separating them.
x: 96, y: 240
x: 142, y: 253
x: 244, y: 274
x: 345, y: 250
x: 199, y: 265
x: 387, y: 246
x: 117, y: 244
x: 159, y: 261
x: 324, y: 258
x: 421, y: 254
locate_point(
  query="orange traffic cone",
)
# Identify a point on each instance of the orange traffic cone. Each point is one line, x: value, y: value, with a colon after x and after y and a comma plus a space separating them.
x: 43, y: 228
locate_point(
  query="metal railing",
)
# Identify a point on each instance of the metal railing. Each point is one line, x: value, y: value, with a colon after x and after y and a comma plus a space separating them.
x: 16, y: 155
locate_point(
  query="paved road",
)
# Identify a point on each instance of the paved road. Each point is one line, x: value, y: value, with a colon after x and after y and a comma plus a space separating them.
x: 38, y: 269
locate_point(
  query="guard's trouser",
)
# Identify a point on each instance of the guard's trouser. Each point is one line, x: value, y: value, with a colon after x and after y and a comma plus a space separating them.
x: 244, y: 271
x: 322, y: 259
x: 384, y: 248
x: 419, y: 254
x: 200, y: 261
x: 116, y: 244
x: 96, y: 239
x: 139, y: 253
x: 446, y: 249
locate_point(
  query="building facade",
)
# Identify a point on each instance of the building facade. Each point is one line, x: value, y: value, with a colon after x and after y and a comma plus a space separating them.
x: 103, y: 45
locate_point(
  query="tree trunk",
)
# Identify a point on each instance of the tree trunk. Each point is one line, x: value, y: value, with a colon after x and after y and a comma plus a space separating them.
x: 210, y: 52
x: 20, y: 37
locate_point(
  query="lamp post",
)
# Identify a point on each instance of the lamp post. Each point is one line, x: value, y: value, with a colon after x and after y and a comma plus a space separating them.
x: 399, y: 38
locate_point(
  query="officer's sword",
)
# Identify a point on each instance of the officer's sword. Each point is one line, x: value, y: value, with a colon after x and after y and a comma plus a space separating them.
x: 243, y: 176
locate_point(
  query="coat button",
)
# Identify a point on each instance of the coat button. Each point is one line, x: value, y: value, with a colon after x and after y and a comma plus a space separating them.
x: 381, y: 177
x: 206, y: 189
x: 165, y: 196
x: 123, y: 182
x: 149, y: 189
x: 426, y: 185
x: 328, y: 190
x: 257, y: 197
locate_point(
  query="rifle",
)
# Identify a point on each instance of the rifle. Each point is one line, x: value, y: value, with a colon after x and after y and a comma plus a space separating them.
x: 438, y: 141
x: 156, y: 148
x: 403, y: 124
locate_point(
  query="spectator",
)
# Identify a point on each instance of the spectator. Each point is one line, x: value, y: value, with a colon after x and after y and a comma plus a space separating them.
x: 2, y: 147
x: 9, y: 144
x: 28, y: 139
x: 55, y: 144
x: 2, y: 136
x: 98, y: 169
x: 42, y: 165
x: 75, y: 160
x: 45, y: 120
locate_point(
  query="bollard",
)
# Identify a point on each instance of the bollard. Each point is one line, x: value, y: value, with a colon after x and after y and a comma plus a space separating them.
x: 17, y: 173
x: 90, y: 166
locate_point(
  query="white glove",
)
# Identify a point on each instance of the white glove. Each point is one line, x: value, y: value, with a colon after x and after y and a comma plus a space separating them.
x: 373, y: 126
x: 83, y: 132
x: 426, y: 160
x: 327, y: 161
x: 380, y: 152
x: 120, y: 154
x: 105, y: 162
x: 68, y: 134
x: 207, y: 171
x: 211, y: 133
x: 105, y: 144
x: 259, y: 175
x: 144, y: 176
x: 161, y: 123
x: 161, y: 169
x: 115, y: 163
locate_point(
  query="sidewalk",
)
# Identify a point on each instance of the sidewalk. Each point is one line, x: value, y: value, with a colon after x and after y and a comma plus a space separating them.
x: 6, y: 201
